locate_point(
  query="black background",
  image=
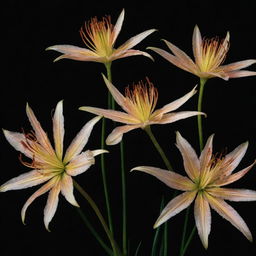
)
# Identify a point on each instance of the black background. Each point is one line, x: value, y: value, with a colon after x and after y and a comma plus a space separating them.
x: 29, y: 75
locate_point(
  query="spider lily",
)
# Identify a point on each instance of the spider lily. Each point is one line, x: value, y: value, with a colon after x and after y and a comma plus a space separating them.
x: 206, y: 176
x: 48, y: 164
x: 139, y: 105
x: 209, y: 55
x: 99, y: 37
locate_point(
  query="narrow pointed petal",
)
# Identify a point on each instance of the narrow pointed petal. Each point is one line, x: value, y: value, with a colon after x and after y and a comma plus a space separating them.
x: 197, y: 45
x: 175, y: 206
x: 173, y: 117
x: 190, y: 159
x: 67, y: 189
x: 114, y: 115
x: 230, y: 194
x: 206, y: 155
x: 127, y: 53
x: 99, y: 152
x: 241, y: 73
x: 51, y: 205
x: 80, y: 163
x: 45, y: 188
x: 17, y: 140
x: 237, y: 65
x: 25, y: 180
x: 80, y: 140
x: 203, y: 218
x: 215, y: 73
x: 58, y: 129
x: 117, y: 134
x: 230, y: 214
x: 41, y: 136
x: 171, y: 179
x: 118, y: 26
x: 179, y: 102
x: 188, y: 62
x: 135, y: 40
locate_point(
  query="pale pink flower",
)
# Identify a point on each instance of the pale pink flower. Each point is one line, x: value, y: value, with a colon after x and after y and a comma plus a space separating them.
x: 48, y: 163
x: 206, y: 175
x: 209, y: 55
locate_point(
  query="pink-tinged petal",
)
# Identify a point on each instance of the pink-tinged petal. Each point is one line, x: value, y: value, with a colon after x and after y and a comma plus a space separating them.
x: 127, y: 53
x: 230, y: 194
x: 171, y: 179
x: 98, y: 152
x: 81, y: 57
x: 118, y: 26
x: 51, y: 205
x: 202, y: 218
x: 230, y: 214
x: 233, y: 159
x: 190, y: 159
x: 117, y: 134
x: 80, y: 140
x: 175, y: 206
x: 67, y: 189
x: 225, y: 180
x: 206, y: 156
x: 45, y: 188
x: 187, y: 61
x: 58, y: 129
x: 25, y: 180
x: 237, y: 65
x: 197, y: 45
x: 80, y: 163
x: 216, y: 73
x: 173, y: 117
x: 41, y: 136
x: 17, y: 140
x: 135, y: 40
x: 114, y: 115
x: 173, y: 59
x: 241, y: 73
x: 224, y: 47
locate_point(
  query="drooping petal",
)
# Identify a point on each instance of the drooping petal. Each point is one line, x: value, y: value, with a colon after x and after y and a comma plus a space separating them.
x: 80, y: 163
x: 67, y: 189
x: 51, y: 205
x: 171, y: 179
x: 118, y: 54
x: 114, y: 115
x: 118, y: 26
x: 241, y: 73
x: 117, y: 134
x: 41, y: 136
x: 197, y: 45
x: 233, y: 194
x: 237, y: 65
x: 80, y: 140
x: 46, y: 187
x: 202, y: 218
x: 230, y: 214
x: 25, y: 180
x: 97, y: 152
x: 190, y: 159
x: 216, y: 73
x: 58, y: 129
x: 175, y: 206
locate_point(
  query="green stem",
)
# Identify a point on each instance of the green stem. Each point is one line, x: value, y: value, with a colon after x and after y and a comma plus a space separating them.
x: 184, y: 233
x: 158, y: 147
x: 199, y: 117
x: 100, y: 217
x: 165, y: 252
x: 188, y: 241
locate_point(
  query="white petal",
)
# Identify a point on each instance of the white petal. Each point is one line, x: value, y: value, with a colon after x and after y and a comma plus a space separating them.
x: 241, y: 73
x: 197, y: 45
x: 206, y: 155
x: 237, y: 65
x: 118, y: 26
x: 118, y: 54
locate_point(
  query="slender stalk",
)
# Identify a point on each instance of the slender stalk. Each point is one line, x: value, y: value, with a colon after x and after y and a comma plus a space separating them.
x: 199, y: 117
x: 100, y: 217
x: 184, y: 233
x: 165, y: 249
x: 182, y: 253
x: 158, y: 147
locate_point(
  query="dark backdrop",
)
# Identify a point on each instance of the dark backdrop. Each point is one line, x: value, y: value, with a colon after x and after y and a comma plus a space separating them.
x: 29, y: 75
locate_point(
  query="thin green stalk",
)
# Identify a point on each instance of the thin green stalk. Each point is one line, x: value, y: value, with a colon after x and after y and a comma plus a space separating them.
x: 165, y: 249
x: 199, y: 117
x: 184, y: 233
x: 158, y: 147
x: 188, y: 241
x: 115, y: 248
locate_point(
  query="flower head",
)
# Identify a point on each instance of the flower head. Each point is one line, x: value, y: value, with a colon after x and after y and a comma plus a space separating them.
x: 209, y: 55
x: 206, y: 176
x: 139, y: 105
x: 48, y: 163
x: 100, y: 36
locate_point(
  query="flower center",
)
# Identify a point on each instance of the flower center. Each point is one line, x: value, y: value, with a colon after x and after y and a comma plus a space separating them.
x: 98, y: 36
x: 142, y: 98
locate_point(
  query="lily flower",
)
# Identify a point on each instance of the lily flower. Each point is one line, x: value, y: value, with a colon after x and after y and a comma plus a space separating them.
x: 48, y: 164
x: 209, y: 54
x: 206, y: 176
x: 139, y: 105
x: 99, y: 38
